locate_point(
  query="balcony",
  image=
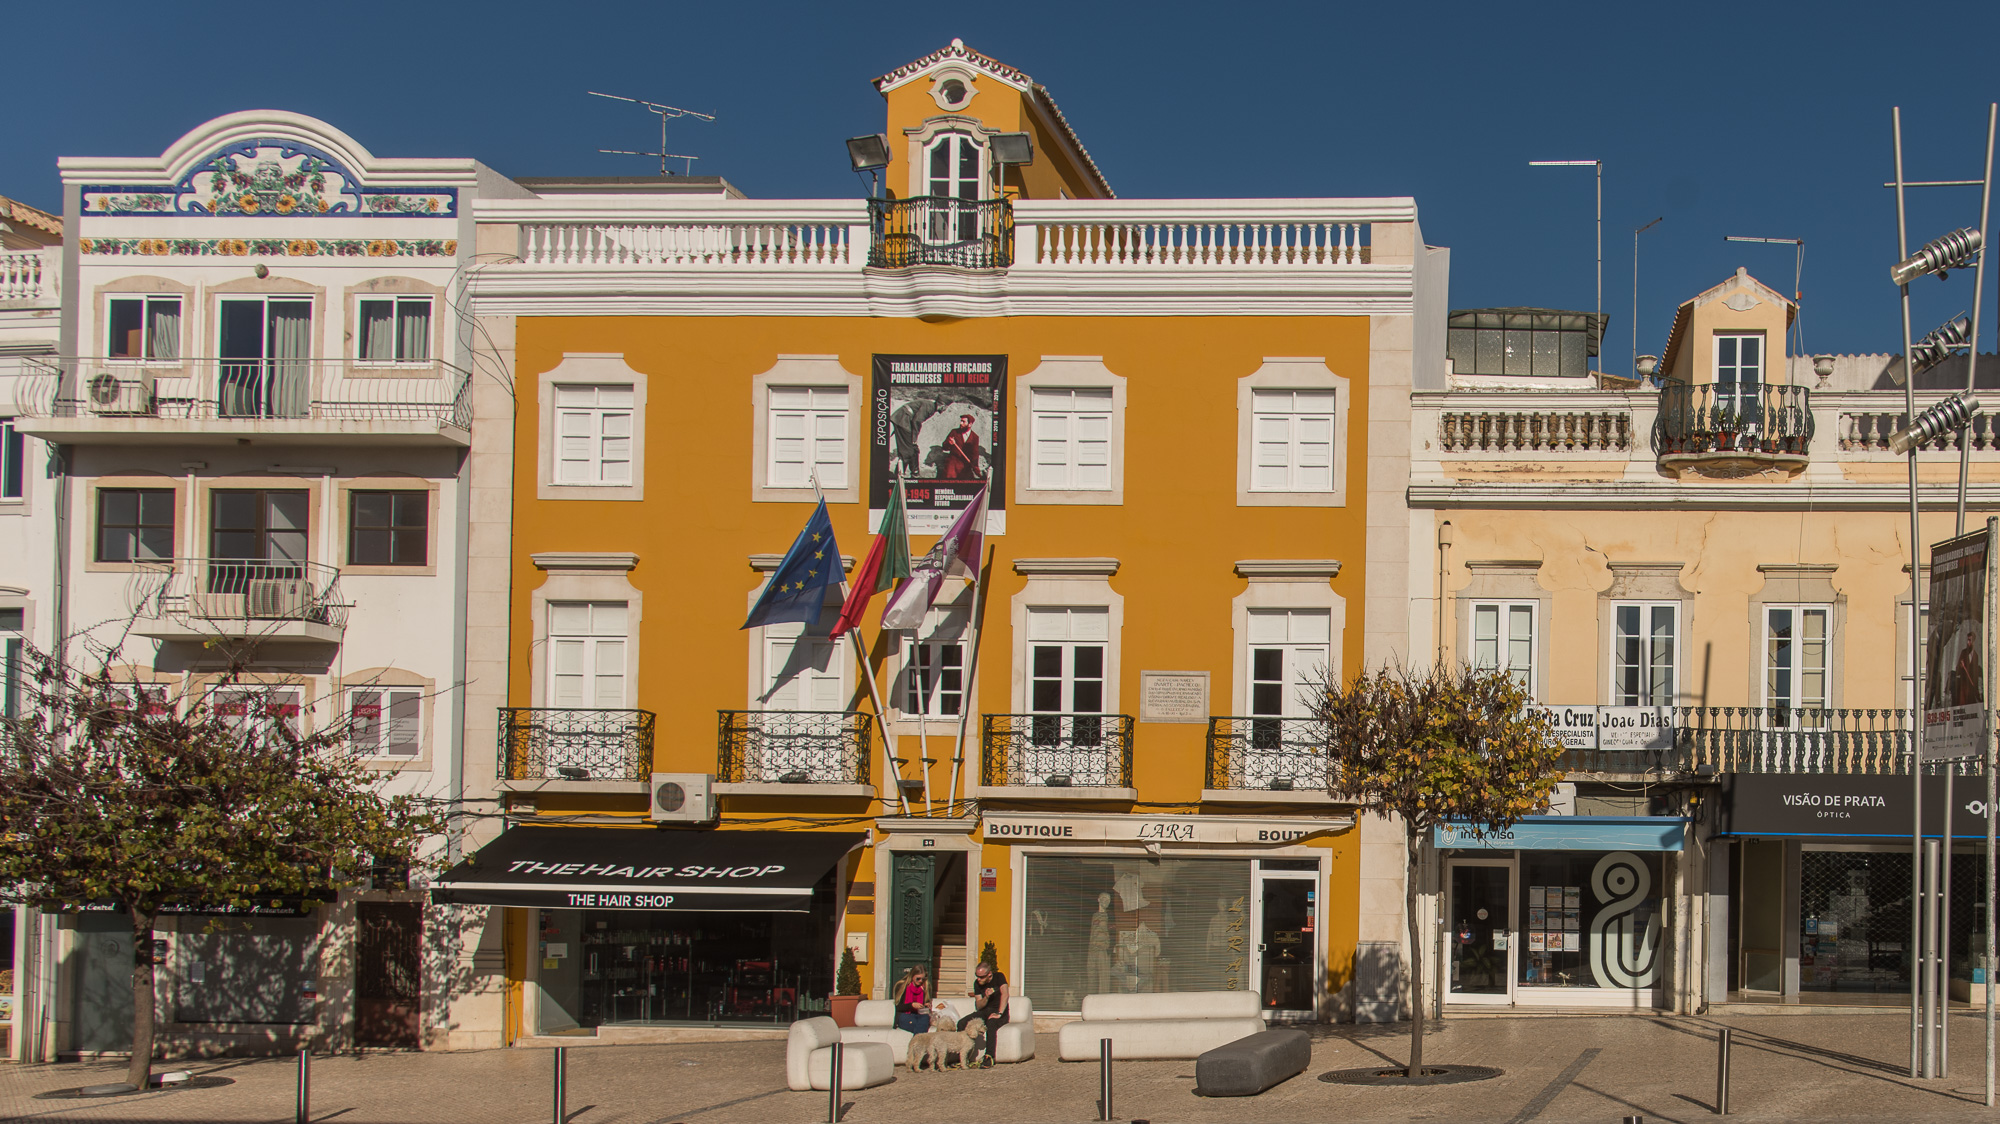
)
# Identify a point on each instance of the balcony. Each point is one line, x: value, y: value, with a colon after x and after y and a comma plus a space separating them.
x: 1744, y: 739
x: 940, y: 230
x: 1057, y: 756
x: 579, y: 749
x: 793, y: 752
x: 29, y: 278
x: 80, y: 400
x: 1254, y: 759
x: 1703, y: 430
x: 234, y: 599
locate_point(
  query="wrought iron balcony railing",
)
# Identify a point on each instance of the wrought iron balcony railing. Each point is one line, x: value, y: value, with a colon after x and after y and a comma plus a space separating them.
x: 1267, y: 754
x: 1716, y: 418
x: 1747, y: 739
x: 1057, y: 750
x: 236, y: 597
x: 792, y: 746
x: 175, y: 390
x: 575, y: 744
x: 941, y: 230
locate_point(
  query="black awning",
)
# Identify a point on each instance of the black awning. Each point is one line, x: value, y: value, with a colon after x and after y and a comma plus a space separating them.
x: 634, y: 868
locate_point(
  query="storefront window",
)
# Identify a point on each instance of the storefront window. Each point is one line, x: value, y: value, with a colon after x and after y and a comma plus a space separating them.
x: 1590, y: 919
x: 254, y: 970
x: 601, y: 967
x: 1123, y: 925
x: 1854, y: 919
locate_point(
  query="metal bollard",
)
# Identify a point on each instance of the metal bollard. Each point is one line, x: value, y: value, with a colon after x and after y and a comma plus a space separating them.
x: 561, y: 1076
x: 1631, y: 1120
x: 1722, y: 1073
x: 305, y: 1084
x: 833, y: 1084
x: 1104, y: 1079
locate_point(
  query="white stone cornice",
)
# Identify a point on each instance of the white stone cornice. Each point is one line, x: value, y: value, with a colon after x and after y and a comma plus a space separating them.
x: 766, y: 563
x: 1287, y: 569
x: 574, y: 560
x: 1066, y: 567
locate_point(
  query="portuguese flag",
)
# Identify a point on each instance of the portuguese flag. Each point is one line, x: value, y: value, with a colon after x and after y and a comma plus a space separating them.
x: 887, y: 563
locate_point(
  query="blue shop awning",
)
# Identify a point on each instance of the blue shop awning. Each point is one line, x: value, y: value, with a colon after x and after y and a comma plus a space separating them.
x: 1569, y: 833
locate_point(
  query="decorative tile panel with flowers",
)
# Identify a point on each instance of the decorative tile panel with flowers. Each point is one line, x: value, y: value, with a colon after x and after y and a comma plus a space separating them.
x: 269, y: 177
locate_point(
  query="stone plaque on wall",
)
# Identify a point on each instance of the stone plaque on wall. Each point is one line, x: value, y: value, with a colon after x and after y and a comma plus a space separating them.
x: 1173, y: 696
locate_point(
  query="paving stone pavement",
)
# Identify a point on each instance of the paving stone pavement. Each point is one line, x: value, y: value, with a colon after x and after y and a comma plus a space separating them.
x: 1790, y: 1068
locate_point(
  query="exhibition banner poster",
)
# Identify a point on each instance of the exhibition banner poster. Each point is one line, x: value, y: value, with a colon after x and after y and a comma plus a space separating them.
x: 940, y: 422
x: 1954, y: 652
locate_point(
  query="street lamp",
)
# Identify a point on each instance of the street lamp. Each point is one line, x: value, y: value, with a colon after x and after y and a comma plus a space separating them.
x: 1599, y: 165
x: 1938, y: 256
x: 1798, y: 277
x: 1635, y: 294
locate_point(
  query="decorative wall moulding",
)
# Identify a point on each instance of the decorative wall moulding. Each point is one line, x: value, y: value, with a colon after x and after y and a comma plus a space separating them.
x: 270, y: 247
x: 1066, y: 567
x: 265, y: 177
x: 1288, y: 569
x: 766, y: 563
x: 555, y: 560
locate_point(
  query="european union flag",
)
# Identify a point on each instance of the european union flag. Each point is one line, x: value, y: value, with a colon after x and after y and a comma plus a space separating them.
x: 797, y: 591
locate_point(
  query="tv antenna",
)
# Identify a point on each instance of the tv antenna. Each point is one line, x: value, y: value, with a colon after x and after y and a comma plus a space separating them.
x: 665, y: 112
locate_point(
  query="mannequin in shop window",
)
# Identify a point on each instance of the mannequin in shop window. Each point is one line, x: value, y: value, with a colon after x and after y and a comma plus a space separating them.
x: 1100, y: 947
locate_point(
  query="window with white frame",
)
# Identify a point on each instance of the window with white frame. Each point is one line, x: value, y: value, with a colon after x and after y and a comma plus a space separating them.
x: 395, y: 330
x: 1503, y: 639
x: 1645, y: 653
x: 1796, y: 664
x: 258, y: 710
x: 13, y: 461
x: 956, y: 165
x: 1066, y: 659
x: 385, y: 721
x: 148, y: 700
x: 808, y: 436
x: 1072, y: 438
x: 140, y: 328
x: 1292, y: 441
x: 593, y: 434
x: 1289, y: 652
x: 587, y: 655
x: 933, y: 678
x: 13, y: 645
x: 802, y: 672
x: 1739, y: 371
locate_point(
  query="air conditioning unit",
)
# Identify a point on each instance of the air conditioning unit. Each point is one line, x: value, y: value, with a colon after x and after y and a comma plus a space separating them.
x: 683, y: 797
x: 126, y: 394
x: 277, y: 598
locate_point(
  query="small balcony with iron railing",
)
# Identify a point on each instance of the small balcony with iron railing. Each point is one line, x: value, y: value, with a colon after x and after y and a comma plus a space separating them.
x: 1255, y: 759
x: 1719, y: 430
x: 575, y: 749
x: 940, y: 230
x: 793, y: 752
x: 1056, y: 757
x: 82, y: 400
x: 237, y: 600
x: 1710, y: 740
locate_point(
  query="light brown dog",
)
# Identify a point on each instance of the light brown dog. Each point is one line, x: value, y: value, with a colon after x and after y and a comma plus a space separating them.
x: 943, y: 1040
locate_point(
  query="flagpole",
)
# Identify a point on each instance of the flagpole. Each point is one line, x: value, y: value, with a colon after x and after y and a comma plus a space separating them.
x: 966, y: 697
x: 868, y: 676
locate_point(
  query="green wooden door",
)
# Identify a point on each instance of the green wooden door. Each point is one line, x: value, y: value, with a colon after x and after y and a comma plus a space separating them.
x: 913, y: 914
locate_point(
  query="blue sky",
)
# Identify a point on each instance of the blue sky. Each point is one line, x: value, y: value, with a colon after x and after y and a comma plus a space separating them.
x: 1770, y: 119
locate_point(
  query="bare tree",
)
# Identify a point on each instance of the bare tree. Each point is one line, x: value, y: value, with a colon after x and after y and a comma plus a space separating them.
x: 1447, y: 744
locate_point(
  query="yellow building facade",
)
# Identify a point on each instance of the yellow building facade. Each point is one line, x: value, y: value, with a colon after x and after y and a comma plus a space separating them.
x: 1094, y: 758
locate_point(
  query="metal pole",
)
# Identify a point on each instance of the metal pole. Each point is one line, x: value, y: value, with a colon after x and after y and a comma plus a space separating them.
x: 305, y: 1084
x: 1918, y: 1026
x: 1104, y: 1079
x: 560, y: 1075
x: 1931, y: 864
x: 1978, y: 303
x: 833, y: 1084
x: 1992, y: 780
x: 1600, y: 264
x: 1722, y: 1073
x: 1943, y: 907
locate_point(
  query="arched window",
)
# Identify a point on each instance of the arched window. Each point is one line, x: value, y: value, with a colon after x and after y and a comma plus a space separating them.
x: 955, y: 167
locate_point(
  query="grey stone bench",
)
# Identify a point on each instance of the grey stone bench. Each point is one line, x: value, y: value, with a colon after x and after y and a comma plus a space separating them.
x: 1248, y: 1066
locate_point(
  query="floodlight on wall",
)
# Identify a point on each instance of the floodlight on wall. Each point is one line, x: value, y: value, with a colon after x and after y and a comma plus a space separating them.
x: 1938, y: 346
x: 1949, y: 414
x: 1013, y: 148
x: 1953, y: 251
x: 868, y: 153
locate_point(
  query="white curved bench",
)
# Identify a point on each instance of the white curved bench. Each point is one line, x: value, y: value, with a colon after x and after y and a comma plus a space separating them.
x: 1169, y: 1024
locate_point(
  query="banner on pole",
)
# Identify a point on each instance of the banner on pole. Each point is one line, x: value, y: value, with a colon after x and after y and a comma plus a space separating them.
x: 941, y: 421
x: 1955, y: 649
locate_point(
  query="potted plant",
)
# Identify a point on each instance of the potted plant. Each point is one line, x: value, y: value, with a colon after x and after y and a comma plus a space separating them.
x: 1726, y: 423
x: 846, y: 990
